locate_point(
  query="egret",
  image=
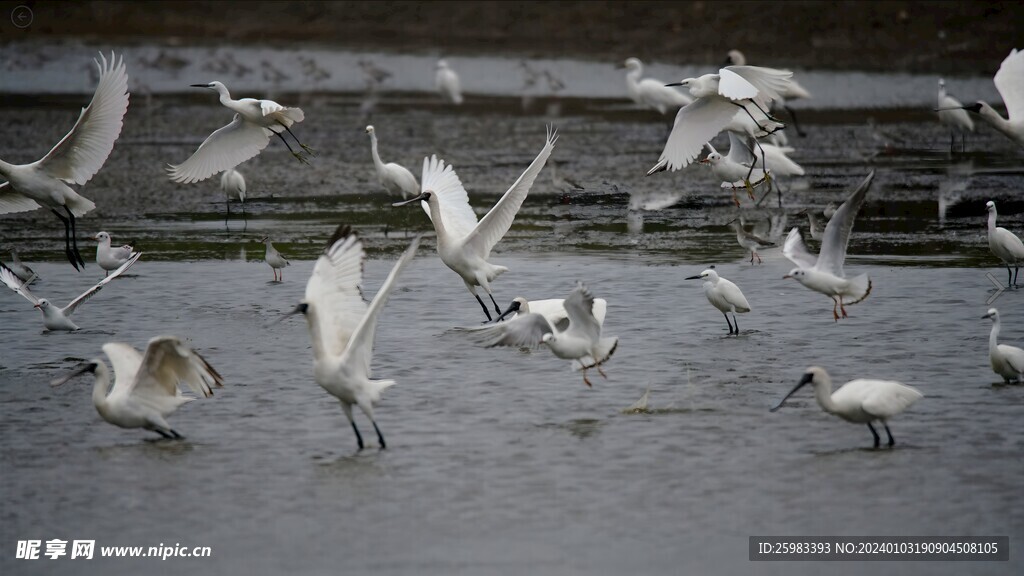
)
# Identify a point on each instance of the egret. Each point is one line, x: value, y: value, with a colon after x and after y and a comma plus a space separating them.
x: 580, y: 341
x: 233, y: 185
x: 792, y: 92
x: 246, y: 136
x: 74, y: 160
x: 110, y: 258
x: 1007, y: 361
x: 1005, y: 245
x: 393, y: 177
x: 859, y: 401
x: 952, y: 115
x: 274, y: 259
x: 447, y: 83
x: 724, y: 295
x: 750, y: 241
x: 824, y: 273
x: 21, y: 270
x: 1009, y: 80
x: 553, y: 310
x: 146, y: 385
x: 463, y: 244
x: 342, y: 327
x: 651, y: 93
x: 55, y: 318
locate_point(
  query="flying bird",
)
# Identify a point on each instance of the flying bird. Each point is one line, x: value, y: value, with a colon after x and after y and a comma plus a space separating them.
x: 1009, y: 80
x: 552, y: 309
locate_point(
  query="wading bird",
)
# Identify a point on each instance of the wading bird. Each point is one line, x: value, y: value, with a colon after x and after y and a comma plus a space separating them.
x: 111, y: 258
x: 1005, y: 245
x: 233, y: 185
x: 553, y: 310
x: 274, y: 259
x: 750, y: 241
x: 1007, y: 361
x: 447, y: 83
x: 395, y: 178
x: 725, y: 296
x: 952, y: 115
x: 649, y: 92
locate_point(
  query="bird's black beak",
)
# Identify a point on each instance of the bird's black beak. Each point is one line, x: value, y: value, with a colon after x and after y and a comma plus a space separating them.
x: 675, y: 84
x: 697, y: 277
x: 514, y: 307
x: 199, y: 85
x: 986, y: 316
x: 807, y: 378
x: 300, y: 309
x: 976, y: 108
x: 80, y: 369
x: 419, y: 198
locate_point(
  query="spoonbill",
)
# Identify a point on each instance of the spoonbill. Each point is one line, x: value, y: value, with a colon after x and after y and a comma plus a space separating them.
x: 750, y: 241
x: 74, y: 160
x: 111, y: 258
x: 1005, y: 245
x: 447, y: 83
x: 724, y: 295
x: 580, y: 341
x: 246, y: 136
x: 55, y: 318
x: 342, y: 327
x: 824, y: 273
x: 275, y: 260
x: 146, y: 385
x: 1009, y: 80
x: 859, y: 401
x: 952, y: 114
x: 1007, y: 361
x: 463, y: 244
x: 649, y: 92
x: 395, y: 178
x: 553, y: 310
x: 793, y: 92
x: 232, y: 183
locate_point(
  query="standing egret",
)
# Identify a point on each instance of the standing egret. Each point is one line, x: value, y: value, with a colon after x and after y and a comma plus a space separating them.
x: 55, y: 318
x: 824, y: 273
x: 580, y: 341
x: 725, y: 296
x: 74, y: 160
x: 1005, y: 245
x: 342, y: 327
x: 393, y: 177
x: 553, y: 310
x: 952, y: 115
x: 246, y: 136
x: 146, y: 386
x: 1007, y: 361
x: 859, y: 401
x: 447, y: 83
x: 792, y: 92
x: 649, y: 92
x: 233, y: 185
x: 111, y: 258
x: 274, y: 259
x: 1009, y: 80
x: 463, y: 244
x: 750, y: 241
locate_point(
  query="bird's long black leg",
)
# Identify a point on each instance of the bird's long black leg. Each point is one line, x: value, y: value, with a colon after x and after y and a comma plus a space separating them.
x: 359, y: 437
x: 1009, y: 277
x: 1016, y: 270
x: 484, y: 306
x: 875, y: 434
x: 74, y: 236
x: 162, y: 433
x: 298, y: 156
x: 736, y: 322
x: 891, y: 441
x: 67, y: 238
x: 380, y: 437
x: 727, y: 321
x: 496, y: 307
x: 952, y: 142
x: 792, y: 114
x: 297, y: 141
x: 765, y: 112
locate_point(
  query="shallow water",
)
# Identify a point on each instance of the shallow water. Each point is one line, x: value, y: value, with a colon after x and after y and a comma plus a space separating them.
x: 500, y: 461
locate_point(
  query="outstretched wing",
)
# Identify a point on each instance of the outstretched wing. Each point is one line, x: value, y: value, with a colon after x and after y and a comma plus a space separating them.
x: 740, y: 151
x: 167, y: 362
x: 126, y: 361
x: 837, y: 233
x: 12, y: 201
x: 334, y: 293
x: 1009, y: 80
x: 695, y: 124
x: 442, y: 181
x: 496, y: 223
x: 523, y: 331
x: 74, y: 304
x: 14, y: 283
x: 796, y: 251
x: 82, y: 152
x: 768, y: 84
x: 226, y: 148
x: 579, y: 307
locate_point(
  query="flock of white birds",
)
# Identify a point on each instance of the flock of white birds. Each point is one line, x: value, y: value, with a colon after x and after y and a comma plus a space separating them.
x: 738, y: 99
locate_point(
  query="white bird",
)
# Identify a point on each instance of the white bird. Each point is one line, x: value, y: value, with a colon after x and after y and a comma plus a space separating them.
x: 815, y: 226
x: 246, y: 136
x: 274, y: 259
x: 1009, y: 80
x: 447, y: 83
x: 21, y: 270
x: 1005, y: 245
x: 734, y: 169
x: 792, y: 92
x: 859, y: 401
x: 824, y: 273
x: 463, y: 244
x: 553, y: 310
x: 74, y: 160
x: 952, y: 115
x: 233, y: 185
x: 342, y: 327
x: 580, y: 341
x: 750, y: 241
x: 111, y: 258
x: 724, y: 295
x: 395, y: 178
x: 1007, y: 361
x: 649, y: 92
x: 55, y: 318
x: 146, y: 386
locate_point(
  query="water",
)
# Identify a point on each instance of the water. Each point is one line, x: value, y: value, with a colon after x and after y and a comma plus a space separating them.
x: 501, y: 461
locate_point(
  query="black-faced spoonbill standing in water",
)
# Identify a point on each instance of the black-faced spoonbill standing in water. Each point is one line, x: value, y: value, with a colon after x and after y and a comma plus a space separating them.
x: 463, y: 244
x: 342, y: 326
x: 724, y: 295
x: 1007, y: 361
x: 859, y: 401
x: 74, y: 160
x: 1006, y: 245
x: 146, y: 386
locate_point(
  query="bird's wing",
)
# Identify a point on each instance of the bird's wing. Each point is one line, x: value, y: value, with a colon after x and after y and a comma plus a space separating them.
x: 335, y: 293
x: 579, y: 307
x: 226, y: 148
x: 74, y: 304
x: 167, y: 362
x: 882, y: 398
x: 82, y: 152
x: 837, y: 232
x: 497, y: 222
x: 695, y: 124
x: 126, y: 361
x: 733, y: 86
x: 12, y: 201
x: 1009, y: 80
x: 739, y: 150
x: 523, y: 331
x: 768, y: 83
x: 441, y: 180
x: 360, y: 346
x: 796, y: 251
x: 14, y: 283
